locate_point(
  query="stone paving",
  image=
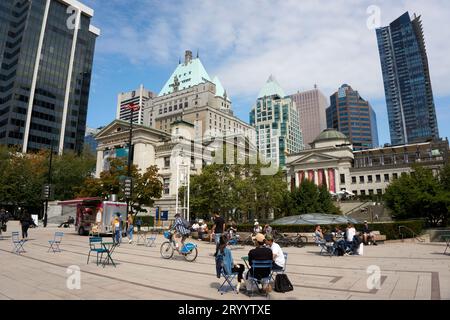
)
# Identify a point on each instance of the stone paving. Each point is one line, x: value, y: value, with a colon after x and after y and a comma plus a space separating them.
x: 408, y: 271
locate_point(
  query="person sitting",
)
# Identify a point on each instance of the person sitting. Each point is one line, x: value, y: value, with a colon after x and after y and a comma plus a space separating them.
x: 228, y: 265
x: 267, y: 229
x: 318, y: 232
x: 257, y: 228
x: 277, y: 253
x: 350, y: 235
x: 179, y: 228
x: 368, y: 236
x: 195, y: 227
x: 67, y: 223
x: 202, y: 229
x: 260, y: 253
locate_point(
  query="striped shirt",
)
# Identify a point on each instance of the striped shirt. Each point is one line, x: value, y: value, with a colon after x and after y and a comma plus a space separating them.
x: 179, y: 227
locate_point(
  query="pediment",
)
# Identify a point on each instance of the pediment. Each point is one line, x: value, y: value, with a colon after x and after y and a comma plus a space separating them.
x: 314, y: 157
x: 118, y: 127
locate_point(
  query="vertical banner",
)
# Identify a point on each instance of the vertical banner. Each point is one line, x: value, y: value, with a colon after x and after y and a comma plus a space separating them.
x: 331, y: 180
x: 320, y: 177
x: 293, y: 183
x: 301, y: 177
x: 311, y: 175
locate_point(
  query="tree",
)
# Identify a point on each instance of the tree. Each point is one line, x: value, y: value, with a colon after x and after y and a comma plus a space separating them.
x: 147, y: 186
x: 420, y: 195
x: 312, y: 199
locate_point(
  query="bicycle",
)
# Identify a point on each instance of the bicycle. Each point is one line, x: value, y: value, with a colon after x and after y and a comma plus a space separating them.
x: 188, y: 250
x: 300, y: 241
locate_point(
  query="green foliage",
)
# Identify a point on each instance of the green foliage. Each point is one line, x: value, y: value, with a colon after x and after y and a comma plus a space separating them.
x: 147, y: 186
x: 420, y: 195
x: 311, y: 199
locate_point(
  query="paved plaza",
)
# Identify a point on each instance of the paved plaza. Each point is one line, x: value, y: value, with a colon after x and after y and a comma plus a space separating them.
x: 408, y: 271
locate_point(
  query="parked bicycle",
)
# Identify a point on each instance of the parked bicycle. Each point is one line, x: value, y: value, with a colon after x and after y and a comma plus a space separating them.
x: 188, y: 250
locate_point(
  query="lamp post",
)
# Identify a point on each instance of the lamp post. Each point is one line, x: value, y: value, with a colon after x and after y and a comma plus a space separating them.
x: 48, y: 186
x: 133, y: 107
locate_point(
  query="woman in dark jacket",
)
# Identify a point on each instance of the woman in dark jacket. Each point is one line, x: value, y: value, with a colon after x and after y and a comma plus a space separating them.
x: 25, y: 223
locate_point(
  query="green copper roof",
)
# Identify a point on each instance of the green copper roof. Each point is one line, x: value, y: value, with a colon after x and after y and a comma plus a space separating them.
x: 189, y: 74
x: 330, y: 134
x: 271, y: 88
x: 219, y: 88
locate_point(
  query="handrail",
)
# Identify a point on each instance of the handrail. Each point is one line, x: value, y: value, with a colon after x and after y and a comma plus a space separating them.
x: 411, y: 231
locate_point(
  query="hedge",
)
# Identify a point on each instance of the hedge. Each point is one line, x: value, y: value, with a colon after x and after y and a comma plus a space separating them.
x: 389, y: 229
x: 146, y: 220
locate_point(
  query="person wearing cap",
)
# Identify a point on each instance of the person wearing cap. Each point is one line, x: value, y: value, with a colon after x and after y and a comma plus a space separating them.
x: 368, y: 236
x: 261, y: 252
x: 277, y: 253
x: 257, y: 228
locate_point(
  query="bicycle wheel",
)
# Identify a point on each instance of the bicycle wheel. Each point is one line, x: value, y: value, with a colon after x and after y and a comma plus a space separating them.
x: 191, y: 255
x: 166, y: 250
x: 300, y: 242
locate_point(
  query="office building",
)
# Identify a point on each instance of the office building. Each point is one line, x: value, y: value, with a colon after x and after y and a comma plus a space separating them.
x: 137, y: 97
x: 275, y: 118
x: 311, y: 106
x: 46, y: 54
x: 407, y: 83
x: 350, y: 114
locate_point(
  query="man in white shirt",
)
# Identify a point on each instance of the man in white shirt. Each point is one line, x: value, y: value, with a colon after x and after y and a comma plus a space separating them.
x: 351, y: 232
x: 278, y: 256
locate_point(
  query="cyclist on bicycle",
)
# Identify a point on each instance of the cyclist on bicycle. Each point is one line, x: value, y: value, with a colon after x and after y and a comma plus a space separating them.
x: 179, y: 228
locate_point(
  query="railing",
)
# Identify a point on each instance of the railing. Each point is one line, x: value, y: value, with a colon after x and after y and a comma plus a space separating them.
x: 411, y: 232
x: 356, y: 208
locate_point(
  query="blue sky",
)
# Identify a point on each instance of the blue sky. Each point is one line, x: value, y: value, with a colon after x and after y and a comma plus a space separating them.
x: 242, y: 42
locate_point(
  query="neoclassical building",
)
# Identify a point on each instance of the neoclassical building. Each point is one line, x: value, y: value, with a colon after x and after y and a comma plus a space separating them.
x: 331, y: 161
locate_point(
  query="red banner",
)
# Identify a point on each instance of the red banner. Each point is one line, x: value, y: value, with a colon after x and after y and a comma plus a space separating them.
x: 331, y: 180
x: 301, y: 177
x: 321, y: 177
x: 311, y: 175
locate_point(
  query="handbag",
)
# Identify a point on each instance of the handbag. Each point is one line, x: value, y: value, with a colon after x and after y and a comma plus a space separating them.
x: 282, y: 283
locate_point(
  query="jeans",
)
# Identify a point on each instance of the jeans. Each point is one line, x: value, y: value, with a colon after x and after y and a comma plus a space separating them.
x: 117, y: 236
x: 217, y: 238
x: 130, y: 232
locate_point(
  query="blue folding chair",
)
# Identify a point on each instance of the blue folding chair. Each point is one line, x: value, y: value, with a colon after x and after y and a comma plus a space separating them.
x: 260, y: 264
x: 324, y: 246
x: 150, y: 241
x: 17, y: 243
x: 54, y: 244
x: 95, y: 245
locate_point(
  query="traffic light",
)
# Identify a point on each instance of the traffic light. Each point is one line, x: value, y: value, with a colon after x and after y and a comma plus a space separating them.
x: 128, y: 187
x: 46, y: 191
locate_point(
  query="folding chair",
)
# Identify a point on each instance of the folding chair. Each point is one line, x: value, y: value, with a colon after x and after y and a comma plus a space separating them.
x: 261, y: 264
x: 150, y: 241
x: 54, y: 244
x: 227, y: 282
x: 324, y: 246
x: 275, y: 272
x: 17, y: 243
x: 94, y: 243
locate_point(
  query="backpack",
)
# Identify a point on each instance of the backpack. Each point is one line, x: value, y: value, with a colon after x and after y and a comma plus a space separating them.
x: 186, y: 224
x: 282, y: 283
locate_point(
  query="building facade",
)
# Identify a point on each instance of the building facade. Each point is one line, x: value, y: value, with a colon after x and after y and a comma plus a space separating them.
x: 350, y: 114
x: 190, y: 94
x: 89, y: 139
x: 311, y: 106
x: 407, y: 83
x: 332, y: 162
x: 137, y: 97
x: 275, y: 119
x: 46, y: 55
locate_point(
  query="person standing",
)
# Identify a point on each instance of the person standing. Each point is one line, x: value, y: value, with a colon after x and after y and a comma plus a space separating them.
x: 217, y: 229
x: 25, y: 223
x: 116, y: 229
x: 130, y: 227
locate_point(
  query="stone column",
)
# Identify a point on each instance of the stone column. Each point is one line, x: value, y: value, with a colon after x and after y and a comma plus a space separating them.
x: 99, y: 165
x: 316, y: 177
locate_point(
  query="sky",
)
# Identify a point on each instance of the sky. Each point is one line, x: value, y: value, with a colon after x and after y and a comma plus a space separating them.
x: 300, y: 42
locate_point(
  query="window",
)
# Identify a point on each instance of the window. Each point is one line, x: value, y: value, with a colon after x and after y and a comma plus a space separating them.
x: 363, y: 192
x: 395, y: 176
x: 354, y: 192
x: 369, y: 179
x: 378, y: 178
x: 370, y: 191
x: 354, y: 180
x: 166, y: 162
x: 342, y: 178
x: 166, y: 183
x: 386, y: 177
x: 379, y: 192
x: 361, y: 179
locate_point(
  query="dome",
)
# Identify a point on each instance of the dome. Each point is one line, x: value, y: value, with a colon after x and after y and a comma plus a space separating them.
x: 330, y: 134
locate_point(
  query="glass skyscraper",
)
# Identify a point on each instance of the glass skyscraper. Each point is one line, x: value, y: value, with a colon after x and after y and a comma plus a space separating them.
x: 46, y: 54
x: 407, y: 84
x: 276, y: 121
x: 350, y: 114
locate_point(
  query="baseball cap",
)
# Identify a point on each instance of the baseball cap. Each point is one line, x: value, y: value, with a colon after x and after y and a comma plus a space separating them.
x: 259, y: 237
x: 269, y: 237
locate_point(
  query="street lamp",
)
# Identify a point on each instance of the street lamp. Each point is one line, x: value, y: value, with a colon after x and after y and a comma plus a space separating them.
x: 133, y: 107
x: 47, y: 189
